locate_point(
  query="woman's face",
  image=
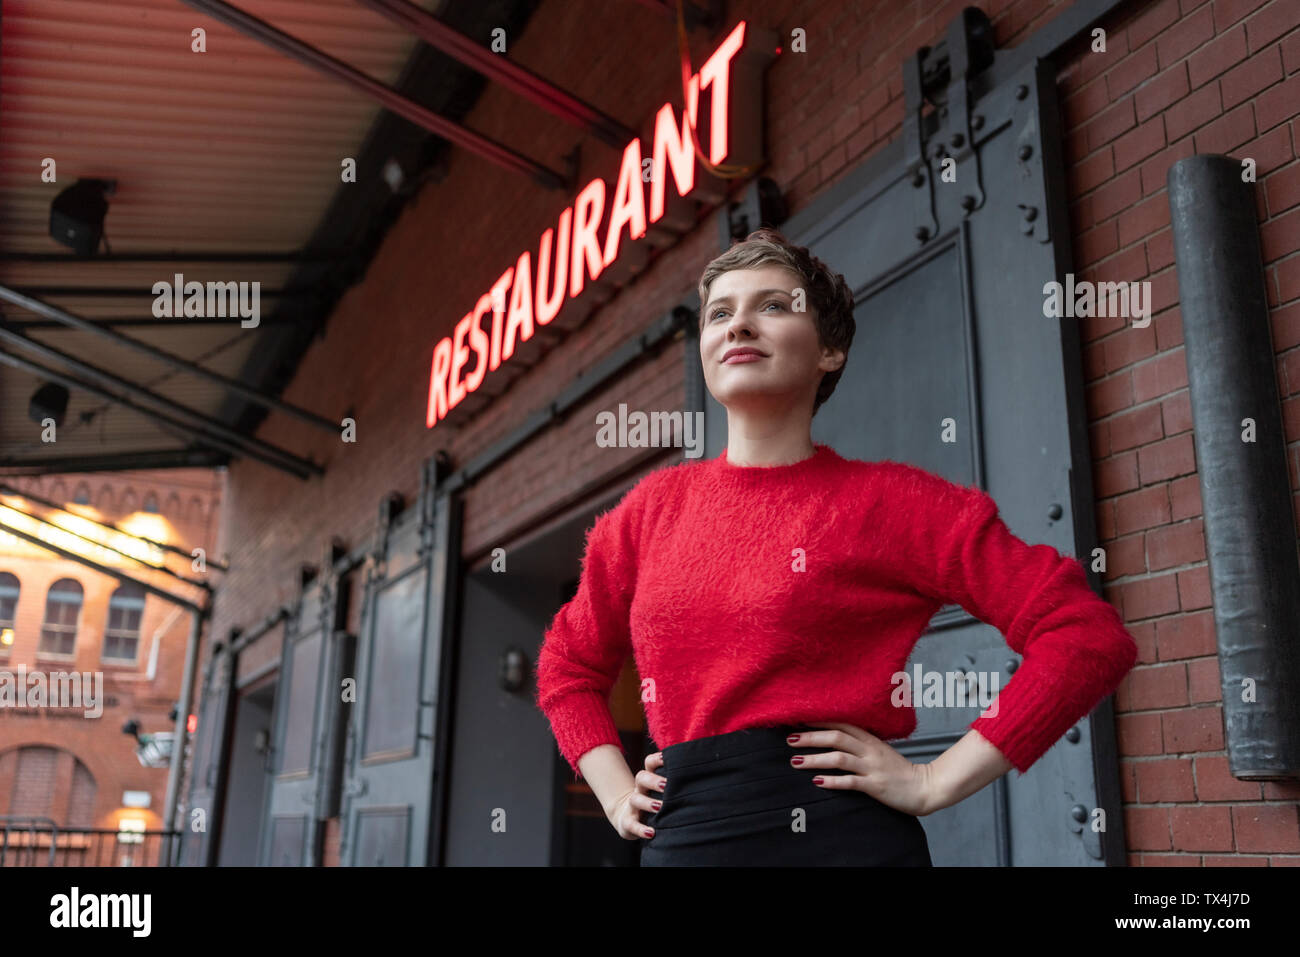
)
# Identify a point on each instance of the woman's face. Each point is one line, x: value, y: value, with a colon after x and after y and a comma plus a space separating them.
x: 755, y: 310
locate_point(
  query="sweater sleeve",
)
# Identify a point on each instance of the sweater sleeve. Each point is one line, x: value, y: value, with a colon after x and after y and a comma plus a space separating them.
x: 1076, y: 649
x: 589, y: 639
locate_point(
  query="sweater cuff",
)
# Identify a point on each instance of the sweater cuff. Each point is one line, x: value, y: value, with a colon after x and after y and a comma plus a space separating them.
x: 580, y: 722
x: 1038, y: 706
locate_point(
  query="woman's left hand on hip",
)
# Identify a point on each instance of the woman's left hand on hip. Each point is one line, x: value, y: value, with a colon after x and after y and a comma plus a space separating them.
x: 862, y: 762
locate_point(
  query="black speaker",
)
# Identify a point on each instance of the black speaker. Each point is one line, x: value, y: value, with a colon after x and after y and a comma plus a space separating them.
x: 77, y: 215
x: 50, y: 401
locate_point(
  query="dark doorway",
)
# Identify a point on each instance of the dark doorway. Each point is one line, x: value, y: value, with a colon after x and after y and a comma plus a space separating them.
x: 246, y: 782
x: 504, y: 754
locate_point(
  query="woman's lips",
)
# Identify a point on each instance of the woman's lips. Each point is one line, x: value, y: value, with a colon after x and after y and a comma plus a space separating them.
x: 742, y: 357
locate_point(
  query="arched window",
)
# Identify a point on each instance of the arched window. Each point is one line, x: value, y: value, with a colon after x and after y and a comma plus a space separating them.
x: 82, y: 495
x: 62, y: 609
x: 8, y: 610
x: 122, y: 634
x: 151, y: 502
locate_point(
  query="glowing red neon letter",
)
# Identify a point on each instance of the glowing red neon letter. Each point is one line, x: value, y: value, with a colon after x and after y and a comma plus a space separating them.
x: 438, y: 382
x: 715, y: 71
x: 548, y: 306
x: 521, y: 305
x: 589, y: 207
x: 629, y: 202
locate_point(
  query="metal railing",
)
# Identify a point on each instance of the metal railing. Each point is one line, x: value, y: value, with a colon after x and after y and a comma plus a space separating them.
x: 39, y: 842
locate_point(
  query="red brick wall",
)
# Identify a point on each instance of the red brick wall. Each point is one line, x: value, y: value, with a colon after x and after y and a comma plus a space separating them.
x: 189, y: 504
x: 1178, y: 78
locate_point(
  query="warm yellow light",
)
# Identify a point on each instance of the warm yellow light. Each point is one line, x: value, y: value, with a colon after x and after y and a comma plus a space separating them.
x: 148, y: 525
x: 6, y: 636
x: 57, y: 531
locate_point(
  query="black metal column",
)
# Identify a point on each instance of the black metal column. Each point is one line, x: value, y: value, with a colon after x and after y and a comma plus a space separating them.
x: 1250, y: 531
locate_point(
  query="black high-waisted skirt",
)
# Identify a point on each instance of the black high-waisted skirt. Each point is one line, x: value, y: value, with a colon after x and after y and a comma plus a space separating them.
x: 731, y: 800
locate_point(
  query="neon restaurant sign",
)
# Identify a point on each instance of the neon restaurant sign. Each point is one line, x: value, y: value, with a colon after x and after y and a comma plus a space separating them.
x: 585, y: 243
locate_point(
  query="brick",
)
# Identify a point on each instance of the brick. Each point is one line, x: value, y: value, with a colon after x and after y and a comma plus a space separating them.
x: 1205, y: 828
x: 1277, y: 104
x: 1280, y: 236
x: 1109, y: 395
x: 1194, y: 589
x: 1235, y: 861
x: 1191, y: 112
x: 1138, y: 734
x: 1267, y: 828
x: 1096, y: 243
x: 1160, y: 251
x: 1164, y: 780
x: 1242, y: 82
x: 1176, y: 413
x: 1132, y: 70
x: 1135, y: 146
x: 1116, y: 474
x: 1204, y: 683
x: 1185, y: 498
x: 1091, y: 172
x: 1228, y: 12
x: 1166, y: 89
x: 1117, y: 195
x: 1282, y: 190
x: 1186, y: 636
x: 1183, y: 37
x: 1110, y: 124
x: 1158, y: 686
x: 1147, y: 828
x: 1214, y: 781
x: 1180, y: 544
x: 1149, y: 597
x: 1192, y: 729
x: 1131, y: 345
x: 1217, y: 57
x: 1125, y: 556
x: 1155, y: 171
x: 1160, y: 376
x: 1144, y: 219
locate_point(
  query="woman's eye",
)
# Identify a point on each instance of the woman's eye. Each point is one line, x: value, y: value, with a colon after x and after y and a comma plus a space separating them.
x: 773, y: 303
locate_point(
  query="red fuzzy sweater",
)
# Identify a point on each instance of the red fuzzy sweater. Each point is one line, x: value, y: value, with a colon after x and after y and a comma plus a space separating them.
x: 753, y: 596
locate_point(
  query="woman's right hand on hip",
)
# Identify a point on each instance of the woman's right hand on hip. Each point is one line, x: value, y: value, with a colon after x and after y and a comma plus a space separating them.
x: 646, y: 796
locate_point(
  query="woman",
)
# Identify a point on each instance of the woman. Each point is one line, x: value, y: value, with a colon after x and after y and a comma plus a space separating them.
x: 772, y: 596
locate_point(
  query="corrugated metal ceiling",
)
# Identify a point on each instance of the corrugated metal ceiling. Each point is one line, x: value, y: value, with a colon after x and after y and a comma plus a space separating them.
x: 236, y: 150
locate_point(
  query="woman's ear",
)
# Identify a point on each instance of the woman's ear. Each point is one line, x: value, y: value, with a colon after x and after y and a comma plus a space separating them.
x: 832, y: 359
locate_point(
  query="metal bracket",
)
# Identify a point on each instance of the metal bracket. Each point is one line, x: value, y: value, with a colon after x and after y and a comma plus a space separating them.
x: 925, y: 225
x: 961, y: 139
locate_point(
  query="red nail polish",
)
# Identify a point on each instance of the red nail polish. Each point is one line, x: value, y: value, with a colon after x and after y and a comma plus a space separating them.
x: 792, y: 739
x: 649, y: 833
x: 658, y: 805
x: 797, y: 759
x: 817, y: 780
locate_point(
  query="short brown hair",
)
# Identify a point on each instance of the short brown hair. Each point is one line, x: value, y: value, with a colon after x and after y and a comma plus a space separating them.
x: 827, y: 291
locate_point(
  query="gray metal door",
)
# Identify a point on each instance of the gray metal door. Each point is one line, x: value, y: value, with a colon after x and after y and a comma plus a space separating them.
x: 948, y: 281
x: 305, y: 725
x: 199, y: 833
x: 389, y: 805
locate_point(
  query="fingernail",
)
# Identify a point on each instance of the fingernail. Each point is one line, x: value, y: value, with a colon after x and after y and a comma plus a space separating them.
x: 792, y: 739
x: 797, y: 759
x: 657, y: 805
x: 663, y: 783
x: 649, y: 833
x: 817, y: 780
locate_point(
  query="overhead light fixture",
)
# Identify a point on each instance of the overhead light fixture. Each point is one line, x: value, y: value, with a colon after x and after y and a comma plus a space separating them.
x: 77, y: 214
